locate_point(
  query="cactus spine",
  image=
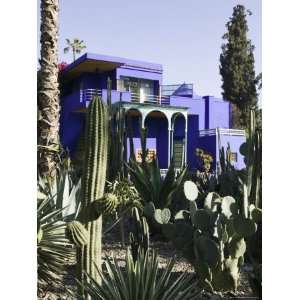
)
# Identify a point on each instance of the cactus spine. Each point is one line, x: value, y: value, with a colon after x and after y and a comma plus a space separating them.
x: 93, y: 182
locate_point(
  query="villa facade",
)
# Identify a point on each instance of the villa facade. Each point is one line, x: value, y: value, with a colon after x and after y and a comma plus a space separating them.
x: 178, y: 120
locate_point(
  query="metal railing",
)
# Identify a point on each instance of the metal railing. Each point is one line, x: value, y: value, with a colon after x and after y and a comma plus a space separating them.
x: 171, y: 89
x: 222, y: 131
x: 86, y: 96
x: 150, y: 99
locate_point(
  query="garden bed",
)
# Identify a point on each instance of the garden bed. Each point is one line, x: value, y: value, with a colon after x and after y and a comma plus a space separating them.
x: 112, y: 247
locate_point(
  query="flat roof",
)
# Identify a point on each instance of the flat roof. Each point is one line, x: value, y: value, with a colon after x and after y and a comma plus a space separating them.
x: 91, y: 62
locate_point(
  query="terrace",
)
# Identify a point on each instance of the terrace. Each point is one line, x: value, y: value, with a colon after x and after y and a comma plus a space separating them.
x: 124, y: 96
x: 139, y: 96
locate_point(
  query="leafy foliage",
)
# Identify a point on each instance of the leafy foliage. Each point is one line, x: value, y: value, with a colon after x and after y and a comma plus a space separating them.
x: 205, y: 160
x: 237, y: 67
x: 76, y: 46
x: 126, y: 193
x: 226, y: 182
x: 140, y: 280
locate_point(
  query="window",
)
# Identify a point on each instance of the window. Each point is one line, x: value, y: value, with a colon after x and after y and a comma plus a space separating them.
x: 150, y: 156
x: 133, y: 85
x: 233, y: 156
x: 178, y: 152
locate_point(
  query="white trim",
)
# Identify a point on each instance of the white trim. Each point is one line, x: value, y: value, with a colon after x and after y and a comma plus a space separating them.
x: 222, y: 131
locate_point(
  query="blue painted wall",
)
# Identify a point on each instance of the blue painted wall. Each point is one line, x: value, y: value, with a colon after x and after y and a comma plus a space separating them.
x: 203, y: 112
x: 157, y: 138
x: 71, y: 122
x: 193, y: 136
x: 217, y: 113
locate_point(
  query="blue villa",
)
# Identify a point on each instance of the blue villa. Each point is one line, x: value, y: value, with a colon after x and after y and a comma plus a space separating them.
x: 178, y: 120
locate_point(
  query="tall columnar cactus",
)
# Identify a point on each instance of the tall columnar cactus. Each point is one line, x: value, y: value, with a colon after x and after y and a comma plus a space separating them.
x: 93, y: 182
x: 252, y: 151
x: 116, y: 136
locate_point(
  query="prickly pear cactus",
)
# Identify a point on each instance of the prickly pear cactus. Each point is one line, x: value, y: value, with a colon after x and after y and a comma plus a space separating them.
x: 162, y: 216
x: 212, y: 238
x: 190, y: 190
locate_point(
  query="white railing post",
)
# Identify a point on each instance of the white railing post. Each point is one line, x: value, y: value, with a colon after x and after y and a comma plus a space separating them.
x: 81, y: 96
x: 159, y: 95
x: 142, y: 96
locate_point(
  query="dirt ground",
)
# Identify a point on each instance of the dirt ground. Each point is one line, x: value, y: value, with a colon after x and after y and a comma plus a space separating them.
x: 112, y: 247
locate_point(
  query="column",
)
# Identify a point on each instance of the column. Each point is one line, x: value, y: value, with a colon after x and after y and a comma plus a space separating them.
x: 185, y: 140
x: 159, y: 94
x: 143, y: 118
x: 169, y: 145
x: 169, y: 118
x: 172, y: 144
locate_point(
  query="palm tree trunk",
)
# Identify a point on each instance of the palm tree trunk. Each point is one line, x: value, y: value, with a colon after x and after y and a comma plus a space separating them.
x: 74, y: 54
x: 48, y: 90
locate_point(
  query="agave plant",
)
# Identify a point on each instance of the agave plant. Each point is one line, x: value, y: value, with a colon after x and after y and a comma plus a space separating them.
x: 63, y: 191
x: 54, y: 249
x: 151, y: 186
x: 140, y: 280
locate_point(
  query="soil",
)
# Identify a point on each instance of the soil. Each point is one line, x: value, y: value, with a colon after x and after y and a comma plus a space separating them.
x: 112, y: 247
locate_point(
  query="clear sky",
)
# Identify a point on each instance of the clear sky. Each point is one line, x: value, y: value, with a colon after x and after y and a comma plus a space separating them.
x: 184, y: 36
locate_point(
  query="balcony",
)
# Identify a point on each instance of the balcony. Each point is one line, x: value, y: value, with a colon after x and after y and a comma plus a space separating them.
x: 86, y: 96
x: 150, y: 99
x: 222, y: 131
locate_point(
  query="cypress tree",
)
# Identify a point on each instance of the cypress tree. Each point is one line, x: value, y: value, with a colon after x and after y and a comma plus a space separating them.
x: 239, y: 82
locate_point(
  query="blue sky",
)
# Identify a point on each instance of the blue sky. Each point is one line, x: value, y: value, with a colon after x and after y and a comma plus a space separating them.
x: 184, y: 36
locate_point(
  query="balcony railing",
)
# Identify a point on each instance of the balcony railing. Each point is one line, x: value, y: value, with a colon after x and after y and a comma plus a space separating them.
x: 222, y: 131
x: 86, y: 96
x: 150, y: 99
x: 183, y: 89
